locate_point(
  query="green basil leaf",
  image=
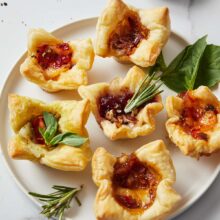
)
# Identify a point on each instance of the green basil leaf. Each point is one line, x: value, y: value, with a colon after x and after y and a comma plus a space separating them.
x: 209, y: 69
x: 73, y: 140
x: 51, y: 126
x: 160, y: 65
x: 41, y: 130
x: 49, y: 119
x: 68, y: 138
x: 49, y: 133
x: 181, y: 74
x: 56, y: 140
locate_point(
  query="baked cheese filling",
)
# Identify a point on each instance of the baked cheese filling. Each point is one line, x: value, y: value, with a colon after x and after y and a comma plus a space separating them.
x: 134, y: 183
x: 128, y: 34
x: 197, y: 118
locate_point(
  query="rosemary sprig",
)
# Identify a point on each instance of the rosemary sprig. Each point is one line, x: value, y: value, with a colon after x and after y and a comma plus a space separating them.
x: 147, y: 90
x: 58, y: 201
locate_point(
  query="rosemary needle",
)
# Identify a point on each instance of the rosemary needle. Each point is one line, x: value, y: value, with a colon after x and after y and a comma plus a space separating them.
x: 147, y: 90
x: 58, y: 201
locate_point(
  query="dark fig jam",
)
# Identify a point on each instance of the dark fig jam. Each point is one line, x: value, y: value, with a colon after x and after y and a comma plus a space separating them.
x: 131, y: 173
x: 128, y: 35
x: 38, y: 122
x: 54, y: 56
x: 111, y: 107
x: 197, y: 118
x: 116, y: 103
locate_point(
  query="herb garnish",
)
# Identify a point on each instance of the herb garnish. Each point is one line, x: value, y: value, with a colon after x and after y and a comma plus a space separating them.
x: 209, y: 68
x: 58, y: 201
x: 147, y: 90
x: 52, y: 138
x: 198, y: 64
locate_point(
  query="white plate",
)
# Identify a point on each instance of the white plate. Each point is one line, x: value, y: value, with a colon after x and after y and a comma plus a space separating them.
x: 193, y: 177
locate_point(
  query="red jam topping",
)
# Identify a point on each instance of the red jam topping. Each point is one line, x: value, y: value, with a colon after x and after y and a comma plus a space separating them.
x: 131, y: 173
x: 128, y: 35
x: 197, y: 118
x: 128, y: 201
x: 54, y: 56
x: 38, y: 122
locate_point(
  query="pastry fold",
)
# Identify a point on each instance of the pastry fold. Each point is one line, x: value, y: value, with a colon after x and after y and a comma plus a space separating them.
x: 53, y: 80
x: 156, y: 21
x: 73, y: 116
x: 145, y: 123
x: 185, y: 141
x: 154, y: 154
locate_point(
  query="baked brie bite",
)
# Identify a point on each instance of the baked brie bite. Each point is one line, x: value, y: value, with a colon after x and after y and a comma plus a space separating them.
x: 108, y: 101
x: 55, y: 65
x: 136, y: 186
x: 130, y: 34
x: 194, y: 121
x: 27, y: 121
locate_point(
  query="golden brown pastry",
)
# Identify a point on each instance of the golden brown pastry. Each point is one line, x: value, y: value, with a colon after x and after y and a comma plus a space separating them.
x: 26, y: 119
x: 55, y: 65
x: 130, y: 34
x: 108, y: 101
x: 136, y: 186
x: 194, y: 121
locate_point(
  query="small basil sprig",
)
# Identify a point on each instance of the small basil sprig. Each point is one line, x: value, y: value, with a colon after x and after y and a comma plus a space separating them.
x: 181, y: 73
x: 50, y: 137
x: 198, y: 64
x: 68, y: 138
x: 209, y: 68
x: 51, y: 127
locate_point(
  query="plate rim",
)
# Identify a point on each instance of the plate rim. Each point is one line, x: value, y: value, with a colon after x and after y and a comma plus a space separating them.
x: 24, y: 189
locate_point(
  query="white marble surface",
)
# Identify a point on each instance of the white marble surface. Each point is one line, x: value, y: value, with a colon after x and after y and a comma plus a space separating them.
x: 190, y: 18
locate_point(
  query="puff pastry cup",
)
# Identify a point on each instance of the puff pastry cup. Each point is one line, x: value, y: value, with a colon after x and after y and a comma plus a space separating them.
x: 55, y: 65
x: 194, y: 121
x: 114, y: 96
x: 134, y: 187
x: 130, y: 34
x: 73, y: 116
